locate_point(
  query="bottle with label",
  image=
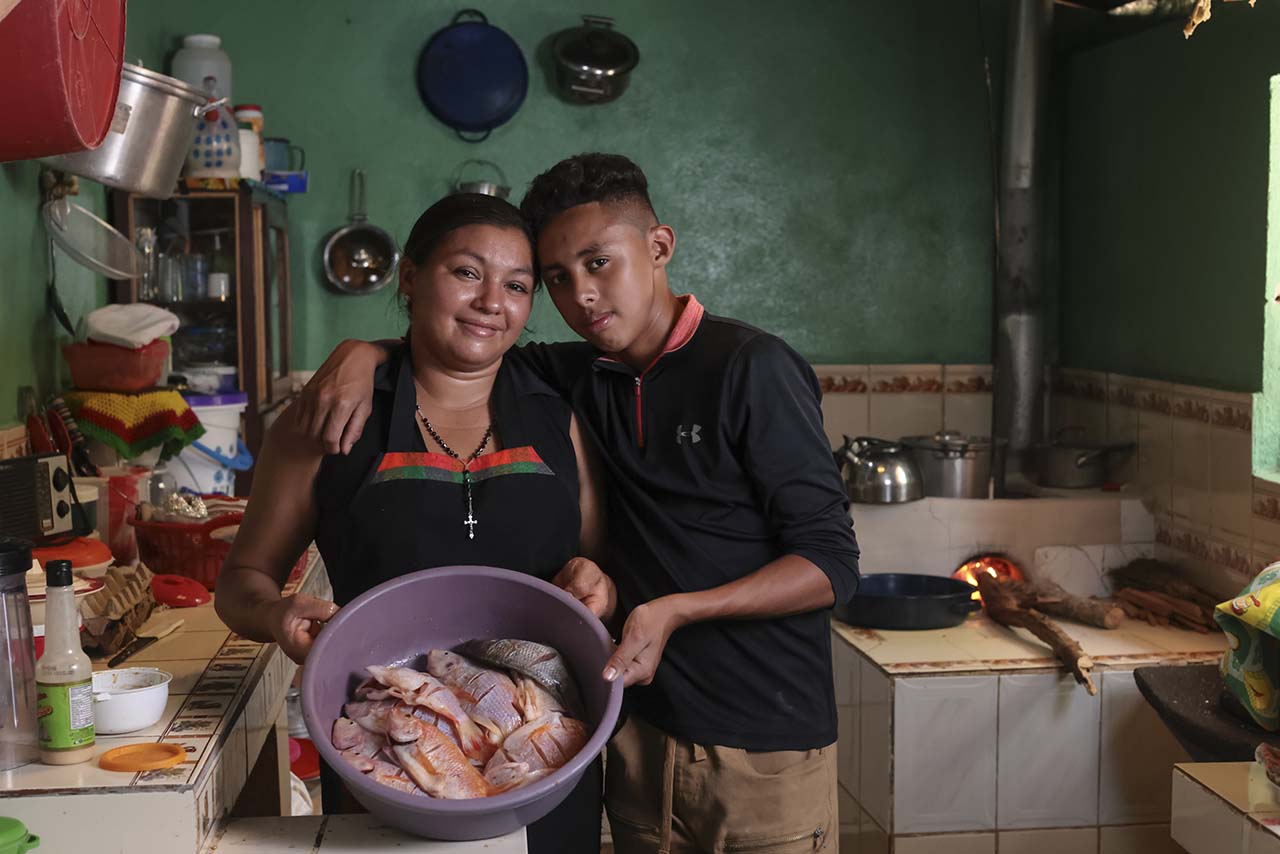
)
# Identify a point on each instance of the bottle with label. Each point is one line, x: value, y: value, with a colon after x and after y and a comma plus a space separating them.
x: 64, y: 676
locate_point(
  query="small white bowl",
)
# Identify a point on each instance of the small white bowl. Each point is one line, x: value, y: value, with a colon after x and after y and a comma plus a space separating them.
x: 129, y: 699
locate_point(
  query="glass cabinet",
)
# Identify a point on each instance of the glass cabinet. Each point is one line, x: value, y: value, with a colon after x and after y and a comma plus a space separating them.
x: 221, y: 264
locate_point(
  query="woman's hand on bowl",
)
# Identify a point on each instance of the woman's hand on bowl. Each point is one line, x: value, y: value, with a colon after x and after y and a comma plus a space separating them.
x: 296, y: 620
x: 584, y: 580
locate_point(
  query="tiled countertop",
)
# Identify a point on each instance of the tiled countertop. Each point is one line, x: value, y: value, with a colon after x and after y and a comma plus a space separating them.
x: 1225, y: 808
x: 342, y: 834
x: 979, y: 644
x: 225, y: 699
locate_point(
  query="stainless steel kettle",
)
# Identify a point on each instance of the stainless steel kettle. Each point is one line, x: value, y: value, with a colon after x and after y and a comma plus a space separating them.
x: 876, y: 471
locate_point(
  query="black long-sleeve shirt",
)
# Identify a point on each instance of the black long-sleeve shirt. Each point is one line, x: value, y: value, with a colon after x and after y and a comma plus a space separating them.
x: 718, y: 465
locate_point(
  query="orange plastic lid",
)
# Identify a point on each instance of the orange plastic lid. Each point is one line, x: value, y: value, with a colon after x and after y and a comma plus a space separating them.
x: 142, y: 757
x: 82, y: 551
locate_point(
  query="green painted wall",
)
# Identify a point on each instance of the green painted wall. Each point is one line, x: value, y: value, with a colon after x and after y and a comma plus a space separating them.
x: 29, y: 336
x: 825, y: 165
x: 1164, y: 201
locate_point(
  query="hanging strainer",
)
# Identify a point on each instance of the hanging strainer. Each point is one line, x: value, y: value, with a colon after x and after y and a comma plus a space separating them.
x: 90, y: 241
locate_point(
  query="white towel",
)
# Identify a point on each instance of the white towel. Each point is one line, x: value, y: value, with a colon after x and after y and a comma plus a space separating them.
x: 132, y: 325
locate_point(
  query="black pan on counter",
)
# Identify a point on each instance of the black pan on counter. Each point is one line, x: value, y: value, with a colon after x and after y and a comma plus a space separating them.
x: 897, y: 600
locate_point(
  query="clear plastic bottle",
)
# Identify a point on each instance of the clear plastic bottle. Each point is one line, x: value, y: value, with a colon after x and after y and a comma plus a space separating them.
x: 64, y: 676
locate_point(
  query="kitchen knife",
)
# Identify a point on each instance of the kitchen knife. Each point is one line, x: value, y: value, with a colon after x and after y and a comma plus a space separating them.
x: 141, y: 642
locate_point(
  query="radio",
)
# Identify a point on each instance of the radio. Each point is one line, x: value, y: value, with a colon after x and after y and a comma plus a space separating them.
x: 35, y: 496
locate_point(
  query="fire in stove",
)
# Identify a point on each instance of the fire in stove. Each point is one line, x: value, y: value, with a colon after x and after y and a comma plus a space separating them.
x: 997, y: 566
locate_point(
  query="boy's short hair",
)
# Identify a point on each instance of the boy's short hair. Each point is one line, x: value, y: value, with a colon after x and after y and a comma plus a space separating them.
x: 583, y: 179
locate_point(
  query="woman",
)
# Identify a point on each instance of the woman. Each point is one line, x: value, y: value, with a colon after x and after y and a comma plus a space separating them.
x: 448, y: 405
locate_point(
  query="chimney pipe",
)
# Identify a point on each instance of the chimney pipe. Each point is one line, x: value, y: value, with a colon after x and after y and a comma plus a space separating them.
x: 1019, y: 308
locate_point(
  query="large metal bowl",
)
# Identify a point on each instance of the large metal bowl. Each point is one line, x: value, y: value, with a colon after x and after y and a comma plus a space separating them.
x: 401, y: 620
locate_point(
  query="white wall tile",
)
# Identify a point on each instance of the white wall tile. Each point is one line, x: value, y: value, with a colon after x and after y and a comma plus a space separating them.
x: 1077, y: 569
x: 944, y: 740
x: 1203, y: 822
x: 1048, y: 752
x: 848, y: 700
x: 874, y: 747
x: 1155, y: 458
x: 1261, y: 840
x: 1190, y: 497
x: 1137, y: 524
x: 970, y: 414
x: 1082, y: 840
x: 1122, y: 428
x: 1231, y: 481
x: 945, y: 843
x: 1137, y: 839
x: 1137, y: 757
x: 844, y: 415
x: 894, y: 415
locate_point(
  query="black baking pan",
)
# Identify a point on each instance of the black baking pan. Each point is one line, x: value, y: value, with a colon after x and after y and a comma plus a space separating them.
x: 897, y: 600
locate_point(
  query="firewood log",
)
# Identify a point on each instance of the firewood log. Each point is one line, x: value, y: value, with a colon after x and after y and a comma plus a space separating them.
x: 1002, y: 606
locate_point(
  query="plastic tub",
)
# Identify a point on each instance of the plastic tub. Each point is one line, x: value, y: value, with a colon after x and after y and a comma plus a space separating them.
x: 209, y: 465
x: 440, y: 608
x: 129, y: 699
x: 107, y: 367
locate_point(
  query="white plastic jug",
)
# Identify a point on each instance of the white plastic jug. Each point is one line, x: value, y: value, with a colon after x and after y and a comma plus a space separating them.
x: 215, y: 152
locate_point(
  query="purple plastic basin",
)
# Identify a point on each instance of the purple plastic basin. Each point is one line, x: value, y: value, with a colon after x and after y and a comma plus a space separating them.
x: 402, y: 620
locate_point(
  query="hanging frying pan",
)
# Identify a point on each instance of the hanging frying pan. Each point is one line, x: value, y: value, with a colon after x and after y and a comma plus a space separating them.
x: 360, y: 258
x: 472, y: 76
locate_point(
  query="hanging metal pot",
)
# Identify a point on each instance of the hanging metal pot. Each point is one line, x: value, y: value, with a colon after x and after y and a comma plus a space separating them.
x: 154, y: 125
x: 472, y: 76
x: 498, y: 188
x: 593, y: 61
x: 360, y: 258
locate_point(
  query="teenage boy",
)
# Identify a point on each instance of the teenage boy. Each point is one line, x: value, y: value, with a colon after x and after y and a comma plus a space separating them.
x: 728, y: 527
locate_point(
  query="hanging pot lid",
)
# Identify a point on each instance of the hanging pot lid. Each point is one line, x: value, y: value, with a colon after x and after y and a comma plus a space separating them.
x: 90, y: 241
x: 472, y: 76
x: 595, y: 48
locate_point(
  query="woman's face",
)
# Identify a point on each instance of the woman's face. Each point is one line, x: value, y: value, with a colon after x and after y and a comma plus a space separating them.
x: 470, y: 299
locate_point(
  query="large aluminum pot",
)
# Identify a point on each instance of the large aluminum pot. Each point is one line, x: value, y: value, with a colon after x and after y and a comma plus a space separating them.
x: 955, y: 465
x: 153, y: 128
x: 878, y: 472
x: 1076, y: 465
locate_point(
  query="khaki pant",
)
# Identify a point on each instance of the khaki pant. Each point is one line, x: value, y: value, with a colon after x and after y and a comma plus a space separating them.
x: 668, y: 796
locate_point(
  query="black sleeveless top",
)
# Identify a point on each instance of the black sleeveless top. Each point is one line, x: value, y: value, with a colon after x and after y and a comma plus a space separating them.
x: 391, y: 507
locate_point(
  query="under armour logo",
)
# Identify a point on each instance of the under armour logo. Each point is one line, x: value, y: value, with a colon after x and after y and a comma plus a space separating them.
x: 691, y: 434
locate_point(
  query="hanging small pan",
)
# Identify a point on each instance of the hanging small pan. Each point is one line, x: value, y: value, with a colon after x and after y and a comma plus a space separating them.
x: 472, y: 76
x: 360, y: 258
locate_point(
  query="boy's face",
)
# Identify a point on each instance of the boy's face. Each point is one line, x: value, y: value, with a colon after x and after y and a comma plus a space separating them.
x: 599, y: 263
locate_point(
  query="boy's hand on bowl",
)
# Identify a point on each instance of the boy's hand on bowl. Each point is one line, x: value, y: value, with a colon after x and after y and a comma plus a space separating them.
x: 584, y: 580
x: 296, y: 620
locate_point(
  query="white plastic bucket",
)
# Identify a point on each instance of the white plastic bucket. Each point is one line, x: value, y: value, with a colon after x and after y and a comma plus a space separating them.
x: 209, y: 465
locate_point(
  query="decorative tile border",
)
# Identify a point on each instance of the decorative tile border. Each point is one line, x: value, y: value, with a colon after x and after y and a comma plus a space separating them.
x: 967, y: 379
x: 843, y: 385
x: 906, y: 379
x: 1191, y: 407
x: 1090, y: 385
x: 1232, y: 415
x: 1158, y: 400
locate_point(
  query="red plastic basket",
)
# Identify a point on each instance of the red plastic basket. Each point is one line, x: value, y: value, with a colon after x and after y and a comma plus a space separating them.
x: 185, y: 548
x: 106, y: 367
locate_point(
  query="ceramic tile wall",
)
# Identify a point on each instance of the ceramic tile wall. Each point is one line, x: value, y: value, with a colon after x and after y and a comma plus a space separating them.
x: 1192, y: 468
x: 891, y: 401
x: 13, y: 442
x: 935, y: 535
x: 1000, y: 762
x: 944, y: 754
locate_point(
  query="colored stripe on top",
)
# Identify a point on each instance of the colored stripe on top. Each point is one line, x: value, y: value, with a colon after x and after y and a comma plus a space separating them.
x: 429, y: 466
